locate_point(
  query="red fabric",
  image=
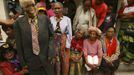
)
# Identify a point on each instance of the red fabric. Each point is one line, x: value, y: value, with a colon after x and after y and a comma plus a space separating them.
x: 77, y: 44
x: 111, y: 46
x: 101, y: 11
x: 50, y: 13
x: 8, y: 69
x: 121, y: 11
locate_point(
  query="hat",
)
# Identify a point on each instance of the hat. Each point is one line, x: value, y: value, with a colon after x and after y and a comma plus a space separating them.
x: 25, y: 3
x: 97, y: 30
x: 41, y: 8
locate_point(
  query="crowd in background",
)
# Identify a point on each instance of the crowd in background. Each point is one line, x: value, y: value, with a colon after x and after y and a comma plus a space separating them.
x: 58, y: 37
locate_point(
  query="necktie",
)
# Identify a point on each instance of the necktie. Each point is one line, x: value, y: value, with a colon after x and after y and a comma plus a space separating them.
x: 35, y: 42
x: 58, y: 30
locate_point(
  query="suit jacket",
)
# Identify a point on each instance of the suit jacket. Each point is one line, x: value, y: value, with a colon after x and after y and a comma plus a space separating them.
x: 24, y: 41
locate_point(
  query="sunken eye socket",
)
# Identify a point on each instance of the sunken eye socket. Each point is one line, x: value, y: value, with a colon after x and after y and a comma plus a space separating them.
x: 56, y: 8
x: 30, y: 5
x: 110, y: 31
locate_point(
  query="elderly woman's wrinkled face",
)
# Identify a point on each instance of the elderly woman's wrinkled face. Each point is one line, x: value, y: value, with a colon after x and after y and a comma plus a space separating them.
x: 58, y: 9
x: 110, y: 32
x: 87, y: 5
x: 79, y: 34
x: 93, y: 34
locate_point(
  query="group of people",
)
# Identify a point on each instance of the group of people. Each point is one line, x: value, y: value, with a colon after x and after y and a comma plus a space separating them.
x: 42, y: 44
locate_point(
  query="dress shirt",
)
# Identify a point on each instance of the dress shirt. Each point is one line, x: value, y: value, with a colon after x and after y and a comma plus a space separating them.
x: 65, y: 25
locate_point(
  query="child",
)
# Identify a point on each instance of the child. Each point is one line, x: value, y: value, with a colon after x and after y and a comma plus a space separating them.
x: 110, y: 19
x: 10, y: 33
x: 8, y: 63
x: 76, y: 53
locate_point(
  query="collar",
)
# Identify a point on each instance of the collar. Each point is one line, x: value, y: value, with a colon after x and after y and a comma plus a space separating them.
x: 30, y: 19
x: 58, y: 19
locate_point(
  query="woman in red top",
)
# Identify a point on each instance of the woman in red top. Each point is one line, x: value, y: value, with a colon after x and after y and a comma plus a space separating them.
x: 111, y: 52
x: 76, y: 53
x: 7, y: 53
x: 101, y: 11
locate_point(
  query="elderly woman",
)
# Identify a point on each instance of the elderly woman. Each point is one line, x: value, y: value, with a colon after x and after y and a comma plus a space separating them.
x: 76, y: 53
x: 110, y: 46
x: 85, y: 16
x: 62, y: 39
x: 92, y: 49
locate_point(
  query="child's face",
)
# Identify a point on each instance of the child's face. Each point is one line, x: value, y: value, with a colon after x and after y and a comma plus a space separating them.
x: 79, y: 34
x: 109, y: 9
x: 9, y: 32
x: 9, y: 55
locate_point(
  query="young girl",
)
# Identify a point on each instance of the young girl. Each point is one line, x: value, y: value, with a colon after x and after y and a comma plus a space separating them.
x: 8, y: 63
x: 10, y: 33
x: 76, y: 53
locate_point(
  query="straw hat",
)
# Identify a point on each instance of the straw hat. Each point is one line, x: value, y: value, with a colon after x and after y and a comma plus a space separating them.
x: 25, y: 3
x: 97, y: 30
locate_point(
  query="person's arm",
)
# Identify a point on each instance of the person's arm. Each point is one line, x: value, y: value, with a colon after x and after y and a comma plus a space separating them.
x: 51, y: 52
x: 105, y: 57
x: 8, y: 70
x: 85, y: 51
x: 69, y: 34
x: 102, y: 17
x: 117, y: 53
x: 94, y: 19
x: 100, y: 52
x: 50, y: 27
x: 7, y: 22
x: 19, y: 42
x: 75, y: 20
x: 81, y: 54
x: 125, y: 15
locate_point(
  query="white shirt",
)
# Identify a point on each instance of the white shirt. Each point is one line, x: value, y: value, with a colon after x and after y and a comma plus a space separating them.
x: 83, y: 20
x: 128, y: 10
x: 65, y: 26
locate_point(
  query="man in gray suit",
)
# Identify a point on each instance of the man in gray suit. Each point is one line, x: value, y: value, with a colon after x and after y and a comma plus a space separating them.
x: 34, y: 35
